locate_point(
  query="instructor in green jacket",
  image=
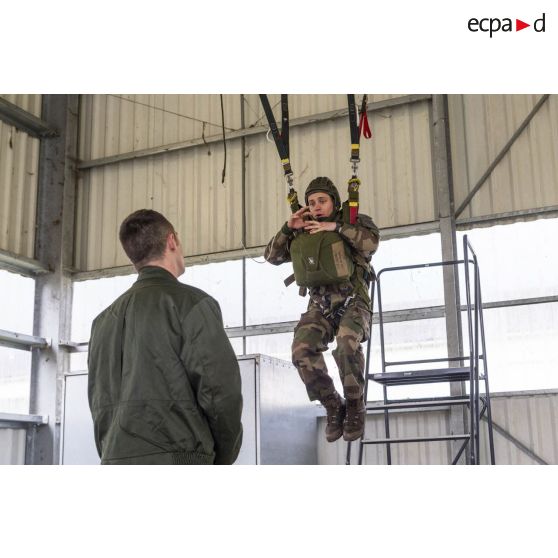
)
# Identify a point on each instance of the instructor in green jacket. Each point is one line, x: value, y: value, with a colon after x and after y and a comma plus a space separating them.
x: 164, y: 382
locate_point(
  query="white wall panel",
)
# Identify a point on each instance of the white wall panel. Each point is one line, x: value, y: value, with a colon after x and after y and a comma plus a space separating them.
x: 527, y: 176
x: 396, y: 170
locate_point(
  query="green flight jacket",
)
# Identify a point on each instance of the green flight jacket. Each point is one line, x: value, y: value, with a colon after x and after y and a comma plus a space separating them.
x: 164, y: 383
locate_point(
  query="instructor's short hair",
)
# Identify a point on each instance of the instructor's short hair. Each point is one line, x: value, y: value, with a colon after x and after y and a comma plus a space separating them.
x: 143, y: 235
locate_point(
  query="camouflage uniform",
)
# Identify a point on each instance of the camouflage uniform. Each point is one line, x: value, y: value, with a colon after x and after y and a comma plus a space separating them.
x: 341, y: 311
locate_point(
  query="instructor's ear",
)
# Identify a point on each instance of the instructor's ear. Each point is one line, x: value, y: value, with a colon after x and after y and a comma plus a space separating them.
x: 172, y: 241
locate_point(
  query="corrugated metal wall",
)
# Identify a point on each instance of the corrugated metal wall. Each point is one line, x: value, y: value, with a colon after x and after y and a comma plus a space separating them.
x: 186, y: 186
x: 529, y: 417
x: 30, y: 103
x: 112, y: 124
x: 396, y: 169
x: 300, y: 105
x: 527, y: 176
x: 19, y: 162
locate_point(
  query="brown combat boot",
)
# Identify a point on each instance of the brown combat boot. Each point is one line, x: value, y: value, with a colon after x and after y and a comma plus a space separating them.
x: 353, y: 427
x: 335, y: 407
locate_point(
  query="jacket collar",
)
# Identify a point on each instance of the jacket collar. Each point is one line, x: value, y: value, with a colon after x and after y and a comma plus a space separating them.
x: 154, y: 272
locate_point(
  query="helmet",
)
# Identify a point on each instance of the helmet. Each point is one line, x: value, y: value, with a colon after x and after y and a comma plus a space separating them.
x: 323, y: 184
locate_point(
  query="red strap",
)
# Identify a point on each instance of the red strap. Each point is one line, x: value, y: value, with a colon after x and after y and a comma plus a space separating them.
x: 363, y: 125
x: 353, y: 214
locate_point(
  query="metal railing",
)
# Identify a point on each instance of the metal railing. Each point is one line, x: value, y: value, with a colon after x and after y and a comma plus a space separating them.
x: 468, y: 368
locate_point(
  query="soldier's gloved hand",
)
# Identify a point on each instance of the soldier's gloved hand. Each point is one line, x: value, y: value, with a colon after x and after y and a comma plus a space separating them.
x: 315, y: 226
x: 297, y: 219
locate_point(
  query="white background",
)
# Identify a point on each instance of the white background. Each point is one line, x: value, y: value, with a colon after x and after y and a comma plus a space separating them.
x: 249, y: 46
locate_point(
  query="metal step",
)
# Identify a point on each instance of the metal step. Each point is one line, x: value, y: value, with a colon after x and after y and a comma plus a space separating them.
x: 457, y: 374
x: 418, y: 404
x: 448, y: 437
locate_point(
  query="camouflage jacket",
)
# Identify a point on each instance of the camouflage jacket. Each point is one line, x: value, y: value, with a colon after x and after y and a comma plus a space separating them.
x: 363, y: 239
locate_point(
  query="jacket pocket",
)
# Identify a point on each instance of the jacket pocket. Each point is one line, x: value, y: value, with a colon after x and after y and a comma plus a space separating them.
x: 168, y: 425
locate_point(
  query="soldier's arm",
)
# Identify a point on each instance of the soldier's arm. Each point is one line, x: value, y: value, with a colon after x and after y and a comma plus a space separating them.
x: 277, y: 251
x: 364, y: 236
x: 214, y: 374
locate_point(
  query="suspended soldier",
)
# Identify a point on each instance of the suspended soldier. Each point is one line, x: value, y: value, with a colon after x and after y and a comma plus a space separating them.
x: 331, y: 260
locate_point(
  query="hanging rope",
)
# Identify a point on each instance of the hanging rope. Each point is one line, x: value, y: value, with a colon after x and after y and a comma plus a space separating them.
x: 224, y: 142
x: 139, y: 103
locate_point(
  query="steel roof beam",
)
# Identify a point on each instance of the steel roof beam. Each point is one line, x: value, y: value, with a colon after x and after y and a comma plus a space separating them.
x: 25, y: 121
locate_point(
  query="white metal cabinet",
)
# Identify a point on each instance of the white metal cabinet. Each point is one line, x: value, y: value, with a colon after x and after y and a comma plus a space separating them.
x: 278, y: 420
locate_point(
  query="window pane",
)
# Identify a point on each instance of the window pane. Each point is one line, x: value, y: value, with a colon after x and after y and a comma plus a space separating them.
x: 15, y: 377
x: 519, y: 260
x: 267, y: 298
x: 521, y: 347
x: 411, y: 288
x: 403, y: 289
x: 223, y: 281
x: 408, y: 251
x: 91, y: 298
x: 404, y: 341
x: 78, y: 362
x: 17, y: 299
x: 237, y: 345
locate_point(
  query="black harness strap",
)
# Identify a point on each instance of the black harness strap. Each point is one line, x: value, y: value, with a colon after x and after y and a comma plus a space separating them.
x: 350, y: 210
x: 281, y: 138
x: 355, y: 135
x: 285, y: 122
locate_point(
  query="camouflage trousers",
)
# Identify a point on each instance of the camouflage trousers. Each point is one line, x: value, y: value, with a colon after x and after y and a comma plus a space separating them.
x: 312, y: 335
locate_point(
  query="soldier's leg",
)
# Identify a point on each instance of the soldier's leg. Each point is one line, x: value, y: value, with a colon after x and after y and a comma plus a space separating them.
x: 311, y: 337
x: 354, y: 328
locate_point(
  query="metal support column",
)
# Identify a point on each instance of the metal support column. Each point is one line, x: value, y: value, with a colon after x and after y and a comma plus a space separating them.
x: 53, y: 291
x: 443, y: 182
x: 244, y: 220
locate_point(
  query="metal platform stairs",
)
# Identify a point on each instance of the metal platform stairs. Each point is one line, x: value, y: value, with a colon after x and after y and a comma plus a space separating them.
x: 470, y: 368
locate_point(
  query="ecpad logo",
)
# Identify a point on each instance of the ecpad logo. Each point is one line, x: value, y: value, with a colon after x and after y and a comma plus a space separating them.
x: 494, y: 24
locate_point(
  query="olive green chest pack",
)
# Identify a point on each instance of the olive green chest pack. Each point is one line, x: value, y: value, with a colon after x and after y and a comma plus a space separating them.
x: 321, y: 259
